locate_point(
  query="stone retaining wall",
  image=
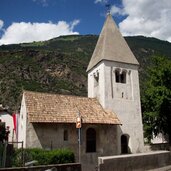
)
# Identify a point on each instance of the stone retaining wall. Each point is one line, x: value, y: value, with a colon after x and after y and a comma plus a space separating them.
x: 135, y: 162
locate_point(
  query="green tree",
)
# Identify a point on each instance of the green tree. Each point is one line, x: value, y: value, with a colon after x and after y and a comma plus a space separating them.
x: 156, y: 98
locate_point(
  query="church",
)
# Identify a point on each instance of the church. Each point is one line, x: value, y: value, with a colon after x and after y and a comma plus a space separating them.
x: 111, y: 120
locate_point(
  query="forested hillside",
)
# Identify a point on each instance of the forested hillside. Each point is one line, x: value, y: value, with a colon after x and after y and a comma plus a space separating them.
x: 59, y: 65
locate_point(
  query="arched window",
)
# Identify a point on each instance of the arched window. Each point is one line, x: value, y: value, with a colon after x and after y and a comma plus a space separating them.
x: 120, y: 76
x: 124, y: 144
x: 91, y: 140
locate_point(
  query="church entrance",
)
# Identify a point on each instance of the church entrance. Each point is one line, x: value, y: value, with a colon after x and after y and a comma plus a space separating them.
x: 124, y: 144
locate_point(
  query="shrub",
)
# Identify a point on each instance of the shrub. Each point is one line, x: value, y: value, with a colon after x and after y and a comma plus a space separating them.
x: 43, y: 157
x: 61, y: 156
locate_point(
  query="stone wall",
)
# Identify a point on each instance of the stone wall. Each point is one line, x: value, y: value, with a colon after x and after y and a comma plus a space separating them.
x: 135, y: 162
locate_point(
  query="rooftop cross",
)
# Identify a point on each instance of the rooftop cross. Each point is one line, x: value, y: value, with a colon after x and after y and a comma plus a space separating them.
x: 108, y: 5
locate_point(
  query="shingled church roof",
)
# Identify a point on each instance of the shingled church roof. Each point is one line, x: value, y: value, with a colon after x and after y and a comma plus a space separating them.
x: 56, y: 108
x: 111, y: 46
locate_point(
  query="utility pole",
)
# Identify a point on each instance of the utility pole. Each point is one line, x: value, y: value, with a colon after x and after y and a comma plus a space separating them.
x: 78, y: 126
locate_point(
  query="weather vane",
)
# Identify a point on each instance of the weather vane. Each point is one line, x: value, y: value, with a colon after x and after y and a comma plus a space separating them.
x: 108, y: 5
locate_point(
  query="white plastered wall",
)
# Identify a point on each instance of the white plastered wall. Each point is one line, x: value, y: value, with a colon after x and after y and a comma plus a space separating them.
x: 122, y: 98
x: 22, y: 123
x: 94, y: 90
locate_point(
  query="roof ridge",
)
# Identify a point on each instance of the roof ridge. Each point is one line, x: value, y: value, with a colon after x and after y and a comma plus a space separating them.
x: 57, y: 94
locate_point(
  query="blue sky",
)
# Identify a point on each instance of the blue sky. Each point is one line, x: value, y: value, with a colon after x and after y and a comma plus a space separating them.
x: 35, y: 20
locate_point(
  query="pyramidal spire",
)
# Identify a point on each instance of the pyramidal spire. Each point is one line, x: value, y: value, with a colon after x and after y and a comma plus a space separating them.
x: 111, y: 46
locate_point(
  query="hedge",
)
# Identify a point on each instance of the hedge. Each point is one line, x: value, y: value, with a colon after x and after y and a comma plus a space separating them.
x: 44, y: 157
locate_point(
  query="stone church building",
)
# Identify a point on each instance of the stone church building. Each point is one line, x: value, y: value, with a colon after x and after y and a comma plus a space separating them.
x: 111, y: 114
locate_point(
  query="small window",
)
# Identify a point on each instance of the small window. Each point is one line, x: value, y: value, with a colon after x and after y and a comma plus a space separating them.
x: 91, y: 140
x: 65, y: 135
x: 96, y: 79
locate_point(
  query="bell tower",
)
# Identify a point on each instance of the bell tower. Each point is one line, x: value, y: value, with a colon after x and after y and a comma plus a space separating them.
x: 113, y: 79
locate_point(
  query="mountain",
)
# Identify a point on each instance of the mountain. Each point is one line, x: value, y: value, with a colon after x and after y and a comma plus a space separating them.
x: 59, y: 65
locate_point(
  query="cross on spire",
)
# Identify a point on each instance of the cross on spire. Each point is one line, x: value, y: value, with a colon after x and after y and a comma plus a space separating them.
x: 108, y: 5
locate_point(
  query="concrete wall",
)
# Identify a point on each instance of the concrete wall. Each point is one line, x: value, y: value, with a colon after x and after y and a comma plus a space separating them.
x: 51, y: 136
x: 122, y: 98
x: 135, y: 162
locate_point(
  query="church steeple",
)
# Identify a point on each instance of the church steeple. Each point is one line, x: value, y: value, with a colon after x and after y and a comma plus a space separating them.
x: 113, y: 80
x: 111, y: 46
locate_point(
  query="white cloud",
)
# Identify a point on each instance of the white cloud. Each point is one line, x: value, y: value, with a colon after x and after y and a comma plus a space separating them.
x: 29, y: 32
x: 148, y: 18
x: 116, y: 10
x: 74, y: 23
x: 100, y: 1
x: 44, y: 3
x: 1, y: 24
x: 144, y: 17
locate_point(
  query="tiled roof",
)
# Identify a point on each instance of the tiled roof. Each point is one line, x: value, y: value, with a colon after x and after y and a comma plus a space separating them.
x: 111, y: 46
x: 56, y: 108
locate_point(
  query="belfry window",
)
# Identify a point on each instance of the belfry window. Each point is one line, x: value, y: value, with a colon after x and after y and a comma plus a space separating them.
x: 123, y: 77
x: 120, y: 76
x: 117, y: 76
x: 91, y: 140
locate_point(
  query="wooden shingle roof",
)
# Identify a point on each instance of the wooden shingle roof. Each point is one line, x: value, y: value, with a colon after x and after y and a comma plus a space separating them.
x: 56, y: 108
